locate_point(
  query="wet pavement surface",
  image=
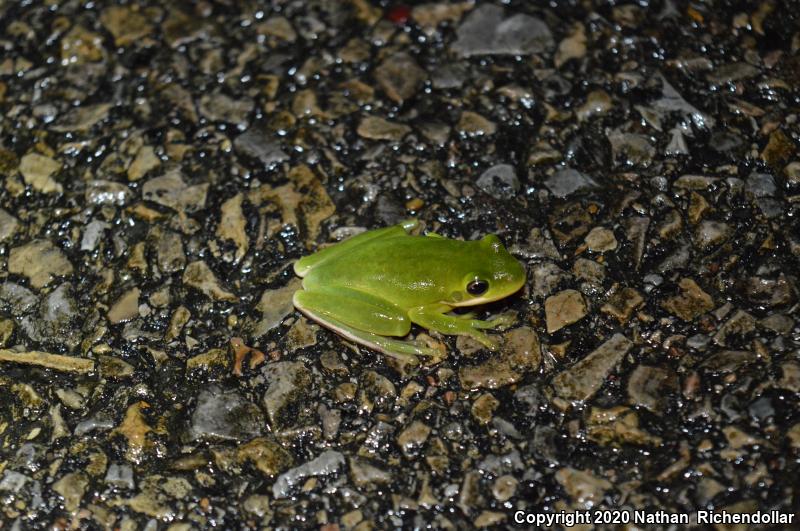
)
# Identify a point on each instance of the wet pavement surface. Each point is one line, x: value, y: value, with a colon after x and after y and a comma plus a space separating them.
x: 163, y: 164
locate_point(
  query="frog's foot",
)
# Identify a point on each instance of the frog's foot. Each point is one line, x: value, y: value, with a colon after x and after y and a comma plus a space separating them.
x: 433, y: 318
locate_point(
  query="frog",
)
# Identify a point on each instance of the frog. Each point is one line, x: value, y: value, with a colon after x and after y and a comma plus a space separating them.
x: 372, y: 287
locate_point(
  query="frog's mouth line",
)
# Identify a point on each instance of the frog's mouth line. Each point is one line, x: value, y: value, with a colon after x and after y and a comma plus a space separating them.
x: 481, y: 300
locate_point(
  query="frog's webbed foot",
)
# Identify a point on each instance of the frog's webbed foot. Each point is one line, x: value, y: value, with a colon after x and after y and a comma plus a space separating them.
x: 434, y: 318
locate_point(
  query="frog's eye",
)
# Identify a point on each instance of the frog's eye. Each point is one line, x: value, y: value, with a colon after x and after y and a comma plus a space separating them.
x: 477, y: 287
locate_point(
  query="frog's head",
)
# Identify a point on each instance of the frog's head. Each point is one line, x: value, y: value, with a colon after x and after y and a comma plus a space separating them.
x: 491, y: 274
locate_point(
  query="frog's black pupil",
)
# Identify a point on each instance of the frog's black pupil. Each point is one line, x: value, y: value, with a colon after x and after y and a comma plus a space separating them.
x: 477, y: 287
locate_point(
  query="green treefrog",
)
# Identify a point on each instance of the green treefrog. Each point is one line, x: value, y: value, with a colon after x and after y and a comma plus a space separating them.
x: 371, y: 287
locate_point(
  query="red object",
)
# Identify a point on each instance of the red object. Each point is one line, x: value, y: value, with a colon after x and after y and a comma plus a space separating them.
x: 399, y: 14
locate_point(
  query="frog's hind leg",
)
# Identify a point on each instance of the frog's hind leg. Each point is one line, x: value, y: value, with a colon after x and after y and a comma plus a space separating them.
x: 362, y: 318
x: 305, y: 264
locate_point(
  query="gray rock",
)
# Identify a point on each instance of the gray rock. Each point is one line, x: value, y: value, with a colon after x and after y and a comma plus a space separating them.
x: 499, y: 181
x: 584, y: 379
x: 170, y: 255
x: 631, y: 149
x: 100, y: 192
x: 120, y: 475
x: 8, y: 225
x: 568, y: 181
x: 170, y: 190
x: 225, y: 414
x: 672, y: 101
x: 650, y: 387
x: 486, y: 31
x: 288, y: 384
x: 259, y: 145
x: 329, y: 462
x: 16, y: 299
x: 92, y: 234
x: 58, y: 320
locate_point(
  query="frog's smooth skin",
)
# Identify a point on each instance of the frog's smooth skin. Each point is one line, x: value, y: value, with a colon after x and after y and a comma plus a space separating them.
x: 371, y: 287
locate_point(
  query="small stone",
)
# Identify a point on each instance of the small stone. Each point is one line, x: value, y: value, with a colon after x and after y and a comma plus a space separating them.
x: 400, y: 76
x: 489, y: 519
x: 583, y: 379
x: 126, y: 24
x: 260, y: 146
x: 572, y: 47
x: 698, y: 207
x: 71, y: 488
x: 81, y: 46
x: 375, y: 128
x: 598, y: 102
x: 711, y: 234
x: 740, y: 323
x: 584, y: 488
x: 568, y: 181
x: 232, y: 225
x: 329, y: 462
x: 111, y: 367
x: 40, y: 261
x: 631, y: 149
x: 199, y: 276
x: 223, y: 414
x: 473, y: 124
x: 519, y: 355
x: 48, y: 361
x: 215, y: 357
x: 278, y: 27
x: 616, y: 426
x: 504, y: 488
x: 82, y: 118
x: 651, y: 387
x: 731, y: 72
x: 760, y: 185
x: 269, y: 457
x: 600, y: 240
x: 170, y: 256
x: 37, y: 171
x: 288, y: 385
x: 126, y: 307
x: 120, y: 476
x: 563, y: 309
x: 499, y: 181
x: 486, y: 31
x: 134, y: 429
x: 483, y: 408
x: 690, y: 303
x: 219, y: 107
x: 171, y: 191
x: 367, y: 476
x: 275, y: 305
x: 622, y: 303
x: 144, y: 161
x: 413, y: 437
x: 8, y: 225
x: 93, y: 234
x: 100, y: 192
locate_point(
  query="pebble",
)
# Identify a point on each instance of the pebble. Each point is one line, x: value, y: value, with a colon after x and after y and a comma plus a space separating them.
x: 690, y: 303
x: 38, y: 170
x: 568, y: 181
x: 375, y: 128
x: 199, y: 276
x: 171, y: 191
x: 499, y: 181
x: 563, y: 309
x: 400, y: 77
x: 9, y: 226
x: 486, y: 31
x: 583, y: 379
x: 474, y: 124
x: 287, y: 388
x: 40, y: 261
x: 600, y: 240
x: 327, y: 463
x: 258, y: 145
x: 225, y: 414
x: 126, y: 307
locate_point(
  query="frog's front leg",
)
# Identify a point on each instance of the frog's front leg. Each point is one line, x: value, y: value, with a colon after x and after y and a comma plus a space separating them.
x: 362, y: 318
x: 433, y: 317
